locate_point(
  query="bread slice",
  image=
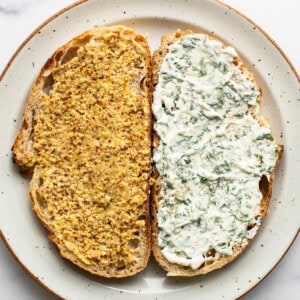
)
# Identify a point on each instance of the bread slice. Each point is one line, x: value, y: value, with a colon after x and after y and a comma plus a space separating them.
x: 86, y: 136
x: 212, y: 258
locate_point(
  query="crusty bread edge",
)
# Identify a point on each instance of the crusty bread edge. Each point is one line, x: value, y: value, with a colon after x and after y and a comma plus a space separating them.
x: 219, y: 260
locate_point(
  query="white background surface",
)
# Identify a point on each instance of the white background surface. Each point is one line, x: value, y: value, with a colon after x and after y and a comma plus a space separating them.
x: 280, y: 19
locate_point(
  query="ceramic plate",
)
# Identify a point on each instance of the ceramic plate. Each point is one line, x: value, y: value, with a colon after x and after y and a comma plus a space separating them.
x: 24, y: 234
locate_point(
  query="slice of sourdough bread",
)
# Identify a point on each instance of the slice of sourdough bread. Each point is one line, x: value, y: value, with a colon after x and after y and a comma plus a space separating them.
x: 86, y: 136
x: 195, y: 231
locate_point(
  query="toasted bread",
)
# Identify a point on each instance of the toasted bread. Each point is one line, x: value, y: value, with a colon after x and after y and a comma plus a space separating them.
x: 172, y: 240
x: 86, y: 136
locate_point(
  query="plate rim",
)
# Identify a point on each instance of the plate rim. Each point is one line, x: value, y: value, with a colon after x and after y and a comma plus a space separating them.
x: 78, y: 3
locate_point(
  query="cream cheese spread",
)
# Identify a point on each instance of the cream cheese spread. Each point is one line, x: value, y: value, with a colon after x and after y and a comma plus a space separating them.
x: 212, y: 152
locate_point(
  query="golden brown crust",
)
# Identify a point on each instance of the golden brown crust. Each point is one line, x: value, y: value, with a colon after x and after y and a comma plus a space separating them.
x: 25, y: 152
x: 216, y: 260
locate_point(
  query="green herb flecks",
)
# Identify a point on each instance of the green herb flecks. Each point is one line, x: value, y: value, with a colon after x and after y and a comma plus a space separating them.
x: 188, y: 46
x: 223, y: 168
x: 266, y: 136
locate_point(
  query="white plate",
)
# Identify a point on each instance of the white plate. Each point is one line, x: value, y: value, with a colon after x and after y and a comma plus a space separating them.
x: 24, y: 234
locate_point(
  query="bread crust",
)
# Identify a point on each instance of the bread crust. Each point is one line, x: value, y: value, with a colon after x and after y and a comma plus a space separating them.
x: 24, y: 153
x: 218, y: 260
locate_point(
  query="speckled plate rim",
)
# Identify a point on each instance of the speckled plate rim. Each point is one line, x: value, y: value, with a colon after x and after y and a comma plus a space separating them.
x: 21, y: 47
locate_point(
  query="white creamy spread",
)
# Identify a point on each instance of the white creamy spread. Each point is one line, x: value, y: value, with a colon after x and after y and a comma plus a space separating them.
x: 212, y: 152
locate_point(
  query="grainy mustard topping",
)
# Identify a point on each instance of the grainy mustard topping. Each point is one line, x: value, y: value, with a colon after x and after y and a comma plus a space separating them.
x: 93, y: 151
